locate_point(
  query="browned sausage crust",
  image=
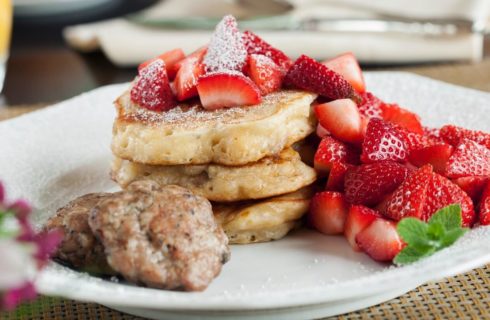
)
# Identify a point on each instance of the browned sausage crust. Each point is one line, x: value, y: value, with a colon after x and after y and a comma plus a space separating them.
x: 79, y: 247
x: 163, y: 237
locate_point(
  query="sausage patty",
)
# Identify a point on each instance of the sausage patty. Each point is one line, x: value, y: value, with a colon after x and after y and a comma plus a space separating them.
x: 79, y: 247
x: 163, y: 237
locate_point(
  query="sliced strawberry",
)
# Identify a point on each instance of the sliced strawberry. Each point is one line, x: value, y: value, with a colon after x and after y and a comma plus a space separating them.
x: 418, y: 141
x: 328, y: 211
x: 308, y: 74
x: 347, y: 66
x: 368, y: 184
x: 441, y: 193
x: 331, y: 150
x: 226, y: 49
x: 380, y: 240
x: 335, y: 181
x: 342, y: 119
x: 321, y: 132
x: 454, y: 135
x: 485, y: 207
x: 402, y: 117
x: 151, y: 89
x: 408, y: 199
x: 171, y: 59
x: 473, y: 186
x: 437, y: 155
x: 266, y: 74
x: 255, y: 45
x: 197, y: 54
x: 219, y: 90
x: 358, y: 219
x: 434, y: 133
x: 383, y: 142
x: 190, y: 70
x: 469, y: 159
x: 370, y: 105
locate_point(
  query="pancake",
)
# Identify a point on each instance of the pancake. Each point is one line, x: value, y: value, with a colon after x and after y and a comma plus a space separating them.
x: 189, y: 134
x: 265, y: 178
x: 263, y: 220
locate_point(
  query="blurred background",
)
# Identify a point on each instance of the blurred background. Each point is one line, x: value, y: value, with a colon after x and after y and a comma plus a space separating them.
x: 61, y: 48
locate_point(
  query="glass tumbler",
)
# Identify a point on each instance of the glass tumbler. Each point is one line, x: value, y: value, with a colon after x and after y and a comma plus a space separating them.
x: 5, y: 31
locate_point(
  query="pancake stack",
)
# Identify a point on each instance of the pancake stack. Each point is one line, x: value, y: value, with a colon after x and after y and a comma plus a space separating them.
x: 242, y: 159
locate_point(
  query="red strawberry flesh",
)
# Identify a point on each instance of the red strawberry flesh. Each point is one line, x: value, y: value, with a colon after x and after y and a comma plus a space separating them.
x: 190, y: 70
x: 310, y: 75
x: 347, y: 66
x: 331, y: 150
x: 358, y: 219
x: 383, y: 142
x: 408, y: 199
x: 473, y: 186
x: 336, y: 177
x: 468, y: 159
x: 151, y: 89
x: 441, y: 192
x: 370, y: 105
x: 380, y: 240
x: 265, y: 73
x: 328, y: 211
x: 368, y: 184
x: 342, y: 119
x: 402, y: 117
x: 454, y: 135
x: 255, y: 45
x: 219, y: 90
x: 484, y: 213
x: 437, y: 155
x: 171, y: 59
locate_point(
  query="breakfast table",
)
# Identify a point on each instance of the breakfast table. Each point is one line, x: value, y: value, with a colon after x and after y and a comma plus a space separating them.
x: 45, y: 72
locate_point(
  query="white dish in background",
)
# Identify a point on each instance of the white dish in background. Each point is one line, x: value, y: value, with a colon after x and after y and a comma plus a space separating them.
x: 58, y: 153
x: 54, y: 7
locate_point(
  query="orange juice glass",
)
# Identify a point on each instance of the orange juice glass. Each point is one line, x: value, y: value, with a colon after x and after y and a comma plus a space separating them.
x: 5, y: 31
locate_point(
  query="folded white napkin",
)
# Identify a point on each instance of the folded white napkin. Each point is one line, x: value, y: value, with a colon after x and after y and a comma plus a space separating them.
x: 127, y: 44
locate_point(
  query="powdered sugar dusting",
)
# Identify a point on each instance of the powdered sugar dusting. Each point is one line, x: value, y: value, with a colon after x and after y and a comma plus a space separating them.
x: 192, y: 114
x: 226, y: 50
x: 151, y: 89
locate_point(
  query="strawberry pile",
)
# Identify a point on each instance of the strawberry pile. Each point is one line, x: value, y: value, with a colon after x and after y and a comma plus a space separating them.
x: 234, y: 69
x: 383, y: 165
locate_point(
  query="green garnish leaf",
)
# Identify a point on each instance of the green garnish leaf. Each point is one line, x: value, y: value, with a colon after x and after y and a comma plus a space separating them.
x: 435, y: 230
x: 411, y: 254
x: 423, y: 239
x: 453, y: 235
x: 413, y: 231
x: 449, y: 217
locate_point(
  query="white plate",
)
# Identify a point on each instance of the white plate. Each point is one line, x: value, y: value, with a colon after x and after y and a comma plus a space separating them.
x: 56, y: 154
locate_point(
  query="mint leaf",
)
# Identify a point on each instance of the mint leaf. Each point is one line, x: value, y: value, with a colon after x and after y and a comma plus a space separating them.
x: 411, y: 254
x: 412, y: 230
x: 449, y: 217
x: 436, y: 230
x: 423, y: 239
x: 450, y: 237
